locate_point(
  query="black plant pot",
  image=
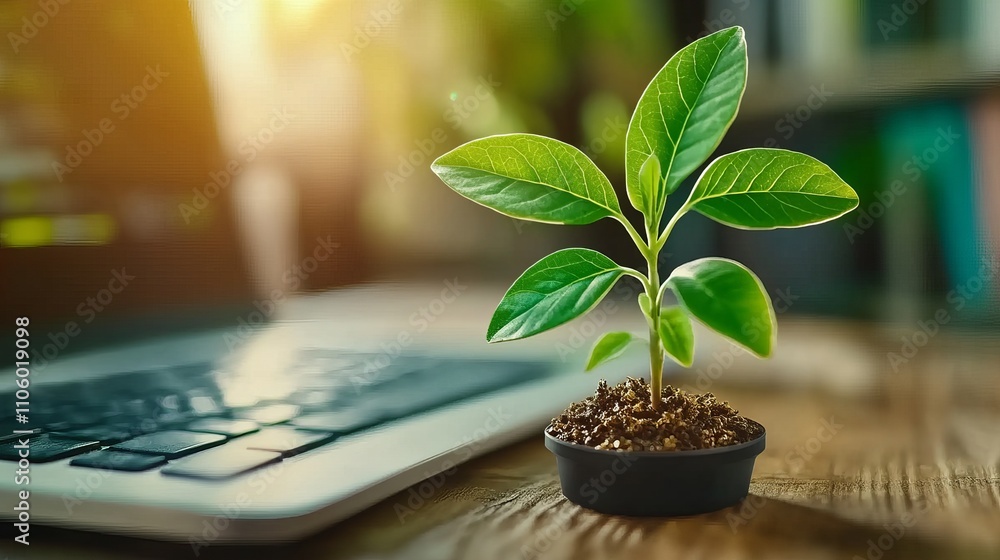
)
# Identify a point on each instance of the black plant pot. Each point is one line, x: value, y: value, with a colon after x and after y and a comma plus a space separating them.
x: 655, y: 483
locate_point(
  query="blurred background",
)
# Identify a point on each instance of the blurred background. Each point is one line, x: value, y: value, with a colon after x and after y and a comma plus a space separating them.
x: 167, y: 164
x: 156, y: 136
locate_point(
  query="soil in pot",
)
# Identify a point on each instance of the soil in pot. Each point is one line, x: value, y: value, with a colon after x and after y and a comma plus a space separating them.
x: 616, y: 455
x: 621, y: 417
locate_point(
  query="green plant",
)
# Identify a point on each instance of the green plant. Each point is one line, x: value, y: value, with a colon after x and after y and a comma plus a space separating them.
x: 679, y: 121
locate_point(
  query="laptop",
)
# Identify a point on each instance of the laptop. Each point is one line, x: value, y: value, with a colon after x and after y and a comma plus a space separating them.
x: 150, y: 391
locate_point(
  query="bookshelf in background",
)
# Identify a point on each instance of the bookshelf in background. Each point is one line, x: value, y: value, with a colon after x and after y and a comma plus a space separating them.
x: 898, y: 70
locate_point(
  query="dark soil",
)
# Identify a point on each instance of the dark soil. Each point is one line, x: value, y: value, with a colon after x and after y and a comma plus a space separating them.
x: 622, y: 417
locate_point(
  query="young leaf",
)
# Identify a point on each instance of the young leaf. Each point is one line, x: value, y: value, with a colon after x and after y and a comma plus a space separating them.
x: 676, y: 335
x: 529, y: 177
x: 687, y: 109
x: 645, y: 305
x: 560, y: 287
x: 608, y: 347
x: 646, y: 198
x: 764, y: 188
x: 729, y: 299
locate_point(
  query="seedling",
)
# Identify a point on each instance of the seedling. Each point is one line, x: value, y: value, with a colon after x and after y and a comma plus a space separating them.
x: 679, y: 121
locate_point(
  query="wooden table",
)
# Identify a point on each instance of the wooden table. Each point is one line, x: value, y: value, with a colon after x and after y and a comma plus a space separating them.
x: 909, y: 467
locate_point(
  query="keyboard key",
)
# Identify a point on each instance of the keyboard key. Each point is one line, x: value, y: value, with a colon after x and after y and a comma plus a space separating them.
x: 447, y: 381
x: 204, y: 405
x: 222, y: 426
x: 7, y: 431
x: 71, y: 416
x: 118, y: 461
x: 269, y: 415
x: 136, y: 408
x: 222, y: 462
x: 172, y: 419
x: 315, y: 398
x: 45, y: 448
x: 339, y: 422
x: 285, y: 440
x: 172, y: 444
x: 136, y: 426
x: 107, y: 435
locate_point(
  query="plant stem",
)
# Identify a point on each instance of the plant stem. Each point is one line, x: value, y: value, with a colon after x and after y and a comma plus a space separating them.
x: 657, y: 243
x: 652, y: 289
x: 643, y: 247
x: 655, y: 367
x: 637, y: 275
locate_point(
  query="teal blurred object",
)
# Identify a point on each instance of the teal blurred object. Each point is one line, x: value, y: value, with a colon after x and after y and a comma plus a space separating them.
x: 928, y: 152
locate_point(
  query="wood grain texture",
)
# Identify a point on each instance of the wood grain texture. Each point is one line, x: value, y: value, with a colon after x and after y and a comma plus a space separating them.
x: 911, y: 463
x: 907, y: 468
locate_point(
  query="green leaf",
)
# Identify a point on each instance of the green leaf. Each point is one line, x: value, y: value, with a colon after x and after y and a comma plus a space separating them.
x: 676, y: 335
x: 765, y: 188
x: 729, y: 299
x: 687, y: 109
x: 645, y: 305
x: 608, y: 347
x: 646, y: 198
x: 560, y: 287
x: 529, y: 177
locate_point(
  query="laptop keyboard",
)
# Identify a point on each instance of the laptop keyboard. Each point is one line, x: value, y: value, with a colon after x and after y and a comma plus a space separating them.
x: 198, y: 421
